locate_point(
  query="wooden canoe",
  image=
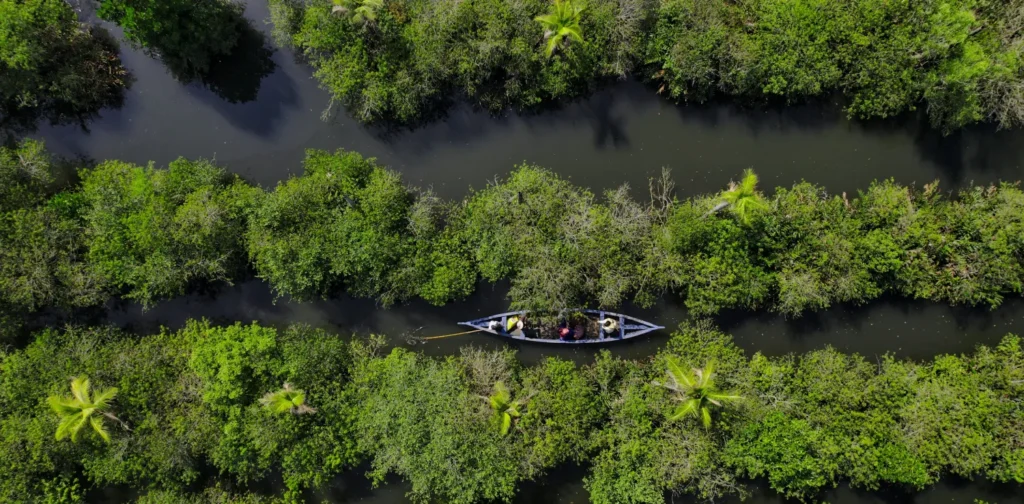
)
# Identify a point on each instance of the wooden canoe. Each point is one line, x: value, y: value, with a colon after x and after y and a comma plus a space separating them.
x: 629, y: 327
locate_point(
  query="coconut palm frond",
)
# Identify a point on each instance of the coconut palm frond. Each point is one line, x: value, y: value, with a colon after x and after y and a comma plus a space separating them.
x: 506, y: 424
x: 677, y: 374
x: 505, y: 410
x: 97, y: 426
x: 80, y: 390
x: 695, y: 389
x: 561, y: 25
x: 286, y: 400
x: 82, y: 409
x: 689, y: 407
x: 743, y: 198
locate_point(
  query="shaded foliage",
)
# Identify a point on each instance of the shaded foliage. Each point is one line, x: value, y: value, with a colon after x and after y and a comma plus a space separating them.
x: 52, y: 68
x: 187, y: 35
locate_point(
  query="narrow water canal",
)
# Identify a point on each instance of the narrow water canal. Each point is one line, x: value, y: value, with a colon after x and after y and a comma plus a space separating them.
x: 624, y: 133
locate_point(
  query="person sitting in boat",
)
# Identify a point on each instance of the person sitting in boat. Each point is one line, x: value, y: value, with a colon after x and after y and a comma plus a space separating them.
x: 514, y: 326
x: 609, y: 327
x: 566, y: 334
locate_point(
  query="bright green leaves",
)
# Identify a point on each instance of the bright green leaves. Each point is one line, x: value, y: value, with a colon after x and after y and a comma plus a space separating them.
x: 786, y: 452
x: 358, y: 12
x: 83, y: 409
x: 346, y: 225
x: 287, y: 400
x: 562, y: 24
x: 505, y: 409
x: 790, y: 49
x: 405, y: 61
x: 196, y: 399
x: 418, y: 414
x: 743, y: 198
x: 154, y: 232
x: 547, y: 234
x: 696, y: 389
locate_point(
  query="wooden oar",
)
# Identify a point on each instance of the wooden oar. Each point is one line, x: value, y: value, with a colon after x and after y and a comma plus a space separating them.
x: 450, y: 335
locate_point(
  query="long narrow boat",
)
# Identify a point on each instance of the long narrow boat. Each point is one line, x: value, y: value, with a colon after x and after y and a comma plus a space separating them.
x: 584, y: 323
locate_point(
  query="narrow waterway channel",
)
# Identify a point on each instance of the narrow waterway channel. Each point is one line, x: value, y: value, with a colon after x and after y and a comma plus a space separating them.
x: 623, y: 134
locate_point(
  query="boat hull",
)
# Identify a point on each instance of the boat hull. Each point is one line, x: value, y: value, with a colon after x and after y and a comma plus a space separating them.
x: 628, y: 328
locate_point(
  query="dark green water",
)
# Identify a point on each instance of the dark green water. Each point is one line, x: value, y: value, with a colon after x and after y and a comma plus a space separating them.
x: 623, y: 134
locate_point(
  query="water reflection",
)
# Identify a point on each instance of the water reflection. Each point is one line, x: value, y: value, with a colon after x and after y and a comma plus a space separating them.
x: 106, y: 90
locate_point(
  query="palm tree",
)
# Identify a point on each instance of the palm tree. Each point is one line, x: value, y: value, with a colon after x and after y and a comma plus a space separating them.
x: 287, y: 400
x: 561, y: 24
x: 359, y: 12
x: 83, y: 408
x: 696, y: 389
x: 504, y: 408
x: 743, y: 198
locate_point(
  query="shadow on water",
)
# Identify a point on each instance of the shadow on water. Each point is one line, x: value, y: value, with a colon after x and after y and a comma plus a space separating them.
x: 564, y: 485
x: 951, y: 490
x: 605, y: 114
x: 353, y: 486
x: 245, y: 88
x: 236, y: 77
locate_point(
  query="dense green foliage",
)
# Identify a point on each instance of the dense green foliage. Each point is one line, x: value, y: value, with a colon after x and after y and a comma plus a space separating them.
x: 189, y: 398
x: 187, y: 35
x: 349, y: 226
x: 53, y: 68
x: 193, y: 416
x: 961, y: 58
x: 405, y: 63
x: 152, y: 232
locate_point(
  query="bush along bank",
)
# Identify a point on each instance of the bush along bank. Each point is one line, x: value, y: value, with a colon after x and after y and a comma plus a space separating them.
x: 402, y: 60
x: 209, y: 413
x: 350, y: 226
x: 52, y: 68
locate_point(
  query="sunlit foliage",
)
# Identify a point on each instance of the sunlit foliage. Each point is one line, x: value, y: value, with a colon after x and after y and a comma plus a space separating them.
x: 404, y: 60
x: 192, y: 423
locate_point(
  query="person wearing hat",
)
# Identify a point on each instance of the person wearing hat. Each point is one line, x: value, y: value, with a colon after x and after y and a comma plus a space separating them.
x: 609, y: 326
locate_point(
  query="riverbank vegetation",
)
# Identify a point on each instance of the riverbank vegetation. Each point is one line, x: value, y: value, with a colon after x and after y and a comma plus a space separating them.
x: 959, y: 59
x: 350, y: 226
x: 52, y: 68
x: 182, y: 411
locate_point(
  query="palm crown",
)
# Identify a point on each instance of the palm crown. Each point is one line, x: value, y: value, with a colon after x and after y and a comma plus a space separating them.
x: 287, y: 400
x: 743, y: 198
x: 83, y: 408
x: 696, y: 389
x: 358, y: 11
x: 504, y: 408
x: 561, y: 24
